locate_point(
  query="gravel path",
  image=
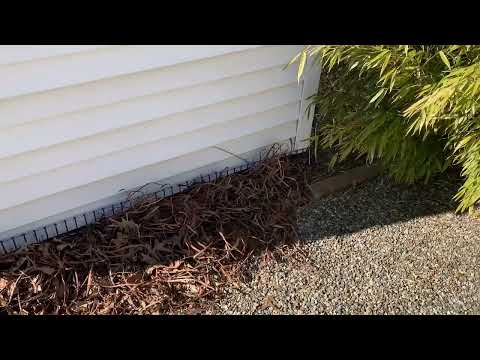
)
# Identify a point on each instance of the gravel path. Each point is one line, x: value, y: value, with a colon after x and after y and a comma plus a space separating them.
x: 376, y: 249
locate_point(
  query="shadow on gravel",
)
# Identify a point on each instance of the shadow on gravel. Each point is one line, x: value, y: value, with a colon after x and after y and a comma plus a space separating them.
x: 378, y: 202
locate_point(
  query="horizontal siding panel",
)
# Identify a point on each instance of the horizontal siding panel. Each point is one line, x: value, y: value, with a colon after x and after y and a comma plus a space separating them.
x: 31, y: 188
x: 84, y: 125
x: 65, y: 221
x: 11, y: 54
x: 69, y: 127
x: 23, y: 109
x: 56, y: 72
x: 107, y: 192
x: 31, y: 163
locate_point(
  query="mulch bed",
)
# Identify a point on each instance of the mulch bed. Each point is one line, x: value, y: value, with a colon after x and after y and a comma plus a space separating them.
x: 162, y: 256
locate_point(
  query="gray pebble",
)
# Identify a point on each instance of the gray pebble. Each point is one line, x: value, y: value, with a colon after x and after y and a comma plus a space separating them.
x: 375, y: 249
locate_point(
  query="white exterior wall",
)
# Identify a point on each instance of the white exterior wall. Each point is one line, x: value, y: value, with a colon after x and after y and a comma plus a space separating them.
x: 81, y: 126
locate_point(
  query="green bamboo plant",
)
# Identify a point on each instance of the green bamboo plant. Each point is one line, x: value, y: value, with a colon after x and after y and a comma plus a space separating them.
x: 413, y: 108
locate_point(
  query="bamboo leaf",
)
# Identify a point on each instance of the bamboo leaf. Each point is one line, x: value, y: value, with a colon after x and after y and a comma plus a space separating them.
x: 424, y: 116
x: 377, y: 95
x: 354, y: 65
x: 291, y: 62
x: 385, y: 63
x: 445, y: 59
x: 301, y: 66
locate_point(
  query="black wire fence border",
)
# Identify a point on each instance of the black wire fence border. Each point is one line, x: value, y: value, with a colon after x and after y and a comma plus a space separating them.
x: 78, y: 222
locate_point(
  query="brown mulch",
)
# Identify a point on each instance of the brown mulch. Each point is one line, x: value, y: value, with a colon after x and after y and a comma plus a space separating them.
x: 161, y: 256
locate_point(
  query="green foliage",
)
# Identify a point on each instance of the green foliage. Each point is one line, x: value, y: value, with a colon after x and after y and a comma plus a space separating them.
x: 412, y: 108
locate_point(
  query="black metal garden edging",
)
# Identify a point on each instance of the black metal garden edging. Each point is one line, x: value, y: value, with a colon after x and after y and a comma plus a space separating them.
x: 77, y: 222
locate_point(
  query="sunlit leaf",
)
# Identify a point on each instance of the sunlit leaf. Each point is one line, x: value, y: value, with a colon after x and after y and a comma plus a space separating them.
x: 301, y: 65
x: 445, y: 59
x: 427, y: 117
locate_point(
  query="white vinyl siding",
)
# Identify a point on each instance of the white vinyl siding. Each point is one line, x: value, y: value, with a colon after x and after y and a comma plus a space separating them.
x: 81, y: 126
